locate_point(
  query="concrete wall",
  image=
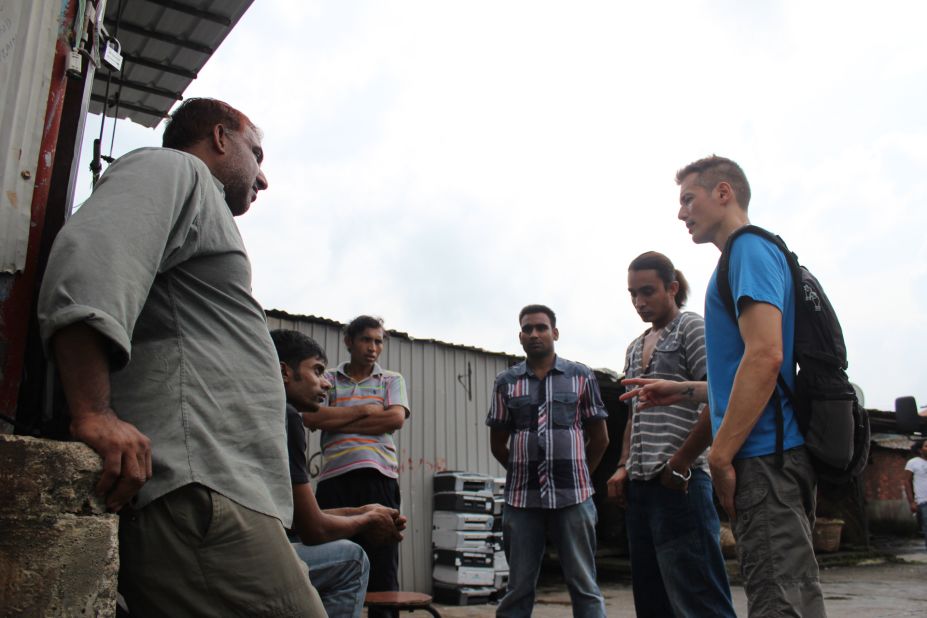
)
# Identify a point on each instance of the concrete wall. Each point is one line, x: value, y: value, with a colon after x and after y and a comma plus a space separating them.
x: 58, y: 548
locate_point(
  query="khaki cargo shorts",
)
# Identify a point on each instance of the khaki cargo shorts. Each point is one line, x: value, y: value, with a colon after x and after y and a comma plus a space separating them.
x: 775, y: 516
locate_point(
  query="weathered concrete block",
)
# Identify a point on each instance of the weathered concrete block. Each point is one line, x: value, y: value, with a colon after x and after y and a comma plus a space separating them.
x: 62, y: 567
x: 47, y: 478
x: 59, y: 552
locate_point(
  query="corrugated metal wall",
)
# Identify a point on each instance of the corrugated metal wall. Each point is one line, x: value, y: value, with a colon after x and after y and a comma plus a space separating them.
x: 28, y: 31
x: 446, y: 430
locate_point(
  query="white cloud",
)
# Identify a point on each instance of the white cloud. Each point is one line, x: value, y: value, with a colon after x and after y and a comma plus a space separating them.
x: 444, y: 164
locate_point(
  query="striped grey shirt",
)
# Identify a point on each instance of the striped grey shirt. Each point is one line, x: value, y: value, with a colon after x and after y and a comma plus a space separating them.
x: 658, y: 432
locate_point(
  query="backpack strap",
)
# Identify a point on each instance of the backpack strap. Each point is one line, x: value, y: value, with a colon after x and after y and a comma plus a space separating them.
x: 724, y: 264
x: 727, y: 297
x: 780, y: 427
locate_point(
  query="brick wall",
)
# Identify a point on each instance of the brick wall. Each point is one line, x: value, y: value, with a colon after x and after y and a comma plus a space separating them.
x: 884, y: 475
x: 886, y: 505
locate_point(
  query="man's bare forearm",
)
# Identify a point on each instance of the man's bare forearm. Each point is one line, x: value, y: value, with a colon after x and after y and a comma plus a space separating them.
x: 618, y: 483
x: 760, y: 326
x: 597, y: 434
x: 691, y: 391
x: 377, y: 422
x: 346, y: 511
x: 695, y: 391
x: 651, y: 392
x: 696, y: 442
x: 499, y: 445
x: 909, y: 487
x: 333, y: 528
x: 316, y: 526
x: 753, y: 386
x: 378, y: 524
x: 83, y: 367
x: 626, y: 440
x: 328, y: 418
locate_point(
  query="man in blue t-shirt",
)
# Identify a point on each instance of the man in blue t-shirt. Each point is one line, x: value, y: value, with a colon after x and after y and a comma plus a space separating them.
x: 770, y: 502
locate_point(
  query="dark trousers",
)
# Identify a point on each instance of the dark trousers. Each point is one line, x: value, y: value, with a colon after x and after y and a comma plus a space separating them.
x: 357, y: 488
x: 676, y: 564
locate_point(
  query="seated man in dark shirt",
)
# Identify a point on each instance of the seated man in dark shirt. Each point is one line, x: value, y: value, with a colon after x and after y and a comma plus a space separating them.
x: 338, y: 568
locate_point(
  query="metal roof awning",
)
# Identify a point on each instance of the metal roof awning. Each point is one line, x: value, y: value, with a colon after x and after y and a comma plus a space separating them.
x: 164, y: 45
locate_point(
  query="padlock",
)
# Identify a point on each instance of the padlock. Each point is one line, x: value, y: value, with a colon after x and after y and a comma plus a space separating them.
x: 112, y: 54
x: 75, y: 63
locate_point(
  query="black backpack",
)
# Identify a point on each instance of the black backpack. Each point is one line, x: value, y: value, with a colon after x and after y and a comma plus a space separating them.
x: 835, y: 427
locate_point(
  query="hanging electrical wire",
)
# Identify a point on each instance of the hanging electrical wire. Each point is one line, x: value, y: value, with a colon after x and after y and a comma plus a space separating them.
x: 96, y: 166
x: 112, y: 139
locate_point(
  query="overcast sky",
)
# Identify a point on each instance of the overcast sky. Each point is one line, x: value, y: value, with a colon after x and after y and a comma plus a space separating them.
x: 443, y: 164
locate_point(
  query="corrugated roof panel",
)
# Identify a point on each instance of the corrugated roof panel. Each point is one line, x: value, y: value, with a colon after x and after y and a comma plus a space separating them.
x: 165, y: 43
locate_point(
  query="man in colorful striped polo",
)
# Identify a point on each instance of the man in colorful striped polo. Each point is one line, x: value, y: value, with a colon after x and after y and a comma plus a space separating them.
x: 359, y: 463
x: 547, y: 428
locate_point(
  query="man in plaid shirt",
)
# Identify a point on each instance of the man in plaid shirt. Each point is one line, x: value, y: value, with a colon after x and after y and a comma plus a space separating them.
x: 547, y: 428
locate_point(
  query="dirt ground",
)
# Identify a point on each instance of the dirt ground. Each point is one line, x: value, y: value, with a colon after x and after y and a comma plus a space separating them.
x: 891, y: 586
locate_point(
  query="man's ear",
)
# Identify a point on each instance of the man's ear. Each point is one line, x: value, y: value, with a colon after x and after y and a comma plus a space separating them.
x: 725, y: 192
x: 219, y: 139
x: 347, y: 342
x: 286, y: 372
x: 555, y: 333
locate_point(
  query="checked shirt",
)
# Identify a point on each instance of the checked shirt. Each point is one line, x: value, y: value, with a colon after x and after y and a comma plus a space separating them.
x: 547, y: 453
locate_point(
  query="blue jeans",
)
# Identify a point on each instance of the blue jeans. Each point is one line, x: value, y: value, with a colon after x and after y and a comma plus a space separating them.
x: 573, y: 532
x: 676, y: 564
x: 339, y: 571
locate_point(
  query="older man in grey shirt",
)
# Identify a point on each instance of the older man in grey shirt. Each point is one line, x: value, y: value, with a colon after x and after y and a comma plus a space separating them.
x: 171, y: 375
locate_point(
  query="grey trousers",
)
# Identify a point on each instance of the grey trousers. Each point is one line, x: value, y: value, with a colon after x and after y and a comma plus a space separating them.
x: 774, y: 519
x: 194, y: 552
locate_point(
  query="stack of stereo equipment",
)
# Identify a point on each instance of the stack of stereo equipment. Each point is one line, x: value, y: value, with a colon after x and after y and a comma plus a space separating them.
x: 463, y: 539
